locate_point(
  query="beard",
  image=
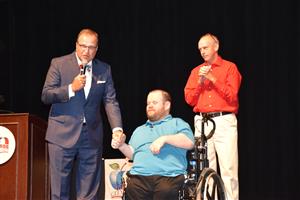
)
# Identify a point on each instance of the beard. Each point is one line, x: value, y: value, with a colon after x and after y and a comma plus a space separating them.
x: 152, y: 117
x: 155, y: 115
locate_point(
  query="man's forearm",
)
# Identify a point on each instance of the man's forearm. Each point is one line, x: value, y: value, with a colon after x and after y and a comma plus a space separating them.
x: 180, y: 140
x: 127, y: 150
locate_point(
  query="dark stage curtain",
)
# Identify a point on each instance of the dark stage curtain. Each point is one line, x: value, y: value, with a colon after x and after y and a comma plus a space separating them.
x: 153, y: 44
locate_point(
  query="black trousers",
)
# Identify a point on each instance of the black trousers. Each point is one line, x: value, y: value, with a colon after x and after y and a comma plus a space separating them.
x: 153, y: 187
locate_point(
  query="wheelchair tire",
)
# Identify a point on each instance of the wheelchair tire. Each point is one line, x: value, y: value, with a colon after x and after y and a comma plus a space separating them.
x: 210, y: 178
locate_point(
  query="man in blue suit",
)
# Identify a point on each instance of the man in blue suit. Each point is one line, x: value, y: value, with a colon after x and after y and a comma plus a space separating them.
x: 76, y: 85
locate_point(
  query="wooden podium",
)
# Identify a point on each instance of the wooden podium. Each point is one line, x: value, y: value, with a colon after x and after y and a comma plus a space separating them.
x: 25, y: 175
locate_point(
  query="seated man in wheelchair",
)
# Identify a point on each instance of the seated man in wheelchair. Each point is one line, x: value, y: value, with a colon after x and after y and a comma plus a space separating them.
x: 158, y: 150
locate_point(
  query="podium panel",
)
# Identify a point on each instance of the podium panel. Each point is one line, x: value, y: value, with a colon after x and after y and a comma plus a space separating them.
x: 25, y: 174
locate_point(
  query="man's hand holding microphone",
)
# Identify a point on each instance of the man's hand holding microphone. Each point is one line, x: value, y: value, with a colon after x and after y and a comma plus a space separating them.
x: 205, y: 72
x: 80, y: 80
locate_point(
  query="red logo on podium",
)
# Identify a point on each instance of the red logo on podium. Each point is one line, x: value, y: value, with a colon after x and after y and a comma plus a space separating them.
x: 4, y: 144
x: 7, y: 144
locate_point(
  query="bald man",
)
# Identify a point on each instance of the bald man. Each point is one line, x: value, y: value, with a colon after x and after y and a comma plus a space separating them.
x: 212, y: 88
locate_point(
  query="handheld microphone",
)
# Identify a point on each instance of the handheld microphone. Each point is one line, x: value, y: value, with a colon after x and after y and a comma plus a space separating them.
x: 202, y: 79
x: 206, y: 68
x: 83, y: 69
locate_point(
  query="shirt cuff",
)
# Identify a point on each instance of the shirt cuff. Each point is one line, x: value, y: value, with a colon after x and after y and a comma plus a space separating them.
x: 71, y: 93
x: 117, y: 129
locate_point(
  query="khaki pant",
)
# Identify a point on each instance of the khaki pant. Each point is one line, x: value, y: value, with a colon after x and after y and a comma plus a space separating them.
x: 223, y: 144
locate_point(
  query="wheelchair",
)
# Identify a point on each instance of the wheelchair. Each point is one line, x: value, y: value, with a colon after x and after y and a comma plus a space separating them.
x: 202, y: 182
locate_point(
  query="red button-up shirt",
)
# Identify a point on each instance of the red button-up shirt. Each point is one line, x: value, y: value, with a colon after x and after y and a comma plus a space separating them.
x: 221, y: 96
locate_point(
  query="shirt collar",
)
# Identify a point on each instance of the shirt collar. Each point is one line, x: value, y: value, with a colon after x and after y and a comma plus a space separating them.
x: 166, y: 118
x: 217, y: 63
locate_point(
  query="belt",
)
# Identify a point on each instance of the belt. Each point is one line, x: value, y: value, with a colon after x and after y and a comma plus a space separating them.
x: 215, y: 114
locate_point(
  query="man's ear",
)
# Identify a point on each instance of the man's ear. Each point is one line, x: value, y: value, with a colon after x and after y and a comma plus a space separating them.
x: 167, y: 105
x: 216, y: 47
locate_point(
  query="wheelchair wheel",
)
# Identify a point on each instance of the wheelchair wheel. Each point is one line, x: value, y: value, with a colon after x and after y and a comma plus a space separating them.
x: 210, y: 186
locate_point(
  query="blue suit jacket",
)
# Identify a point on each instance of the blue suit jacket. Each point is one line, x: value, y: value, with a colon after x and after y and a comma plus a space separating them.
x: 66, y: 115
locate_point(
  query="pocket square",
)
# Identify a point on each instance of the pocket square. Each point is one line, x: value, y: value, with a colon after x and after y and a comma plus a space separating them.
x: 99, y: 82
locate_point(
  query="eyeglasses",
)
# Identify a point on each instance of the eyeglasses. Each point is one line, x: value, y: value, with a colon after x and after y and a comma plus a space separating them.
x: 83, y: 46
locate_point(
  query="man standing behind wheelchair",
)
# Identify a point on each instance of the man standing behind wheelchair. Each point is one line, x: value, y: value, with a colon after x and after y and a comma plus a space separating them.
x: 212, y: 90
x: 158, y: 150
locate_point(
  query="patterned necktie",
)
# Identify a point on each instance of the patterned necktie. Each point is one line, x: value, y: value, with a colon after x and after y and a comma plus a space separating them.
x: 88, y: 68
x: 84, y: 69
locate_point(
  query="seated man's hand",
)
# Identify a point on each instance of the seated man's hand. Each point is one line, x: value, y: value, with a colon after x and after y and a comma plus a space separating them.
x: 157, y: 145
